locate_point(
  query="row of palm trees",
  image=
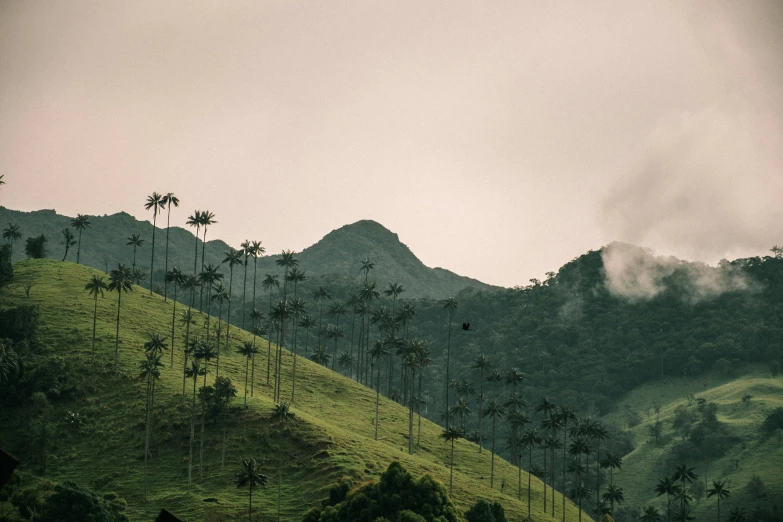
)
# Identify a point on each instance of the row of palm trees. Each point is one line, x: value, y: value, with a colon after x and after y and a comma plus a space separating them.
x: 676, y: 488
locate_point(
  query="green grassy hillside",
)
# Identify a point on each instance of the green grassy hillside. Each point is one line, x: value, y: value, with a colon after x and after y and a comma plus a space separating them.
x: 748, y: 453
x: 332, y: 437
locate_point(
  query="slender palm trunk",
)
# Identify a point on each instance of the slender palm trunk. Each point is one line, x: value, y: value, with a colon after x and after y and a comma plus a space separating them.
x: 481, y: 408
x: 117, y: 334
x: 519, y: 474
x: 192, y: 434
x: 598, y: 472
x: 187, y: 340
x: 134, y: 256
x: 565, y: 444
x: 244, y: 294
x: 545, y: 475
x: 79, y: 247
x: 269, y: 342
x: 166, y: 269
x: 94, y: 324
x: 279, y: 377
x: 173, y: 318
x: 350, y: 351
x: 451, y: 468
x: 492, y: 467
x: 320, y: 316
x: 448, y: 364
x: 293, y: 383
x: 152, y: 260
x: 553, y: 477
x: 247, y: 363
x: 146, y: 436
x: 529, y: 478
x: 203, y: 246
x: 377, y: 398
x: 418, y: 410
x: 195, y: 258
x: 279, y: 480
x: 220, y: 315
x: 250, y: 506
x: 410, y: 418
x: 228, y: 315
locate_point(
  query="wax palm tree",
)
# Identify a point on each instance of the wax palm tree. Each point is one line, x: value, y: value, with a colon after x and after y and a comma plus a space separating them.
x: 367, y: 295
x: 611, y: 462
x: 94, y: 287
x: 287, y: 261
x: 597, y: 433
x: 250, y: 477
x: 450, y: 305
x: 451, y: 434
x: 156, y: 204
x: 530, y: 440
x: 220, y: 294
x: 258, y: 319
x: 169, y: 200
x: 405, y: 316
x: 514, y: 377
x: 308, y: 323
x: 718, y: 490
x: 247, y: 349
x: 667, y: 486
x: 577, y: 448
x: 614, y: 493
x: 683, y: 473
x: 194, y: 220
x: 233, y: 258
x: 206, y: 219
x: 319, y: 296
x: 337, y: 310
x: 245, y: 255
x: 552, y: 443
x: 207, y: 278
x: 135, y: 241
x: 393, y: 291
x: 119, y: 281
x: 494, y: 411
x: 345, y: 362
x: 193, y: 372
x: 547, y: 408
x: 68, y: 241
x: 204, y: 351
x: 321, y: 356
x: 423, y: 360
x: 564, y: 414
x: 378, y: 352
x: 684, y: 514
x: 12, y: 234
x: 650, y: 514
x: 189, y: 282
x: 80, y: 222
x: 738, y: 515
x: 366, y: 267
x: 297, y: 309
x: 482, y: 364
x: 256, y: 250
x: 176, y: 277
x: 280, y: 315
x: 461, y: 409
x: 150, y: 373
x: 270, y: 281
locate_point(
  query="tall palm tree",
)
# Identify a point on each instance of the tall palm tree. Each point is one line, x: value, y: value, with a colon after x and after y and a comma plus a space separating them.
x: 189, y: 282
x: 169, y: 200
x: 514, y: 377
x: 319, y: 296
x: 530, y: 440
x: 175, y: 276
x: 598, y: 433
x: 366, y: 267
x: 552, y: 443
x: 517, y: 420
x: 135, y: 241
x: 451, y: 434
x: 578, y: 448
x: 68, y: 241
x: 193, y: 372
x: 367, y: 295
x: 611, y: 462
x: 297, y: 309
x: 321, y: 356
x: 256, y: 250
x: 287, y: 261
x: 207, y: 218
x: 683, y: 473
x: 194, y: 220
x: 280, y: 315
x: 80, y: 222
x: 119, y: 281
x: 308, y: 323
x: 207, y: 278
x: 258, y: 319
x: 718, y: 490
x: 95, y: 286
x: 494, y: 411
x: 378, y: 352
x: 204, y: 351
x: 233, y: 258
x: 545, y: 407
x: 156, y: 204
x: 12, y: 234
x: 423, y: 360
x: 450, y: 305
x: 245, y: 254
x: 482, y: 364
x: 393, y: 291
x: 150, y: 373
x: 337, y: 310
x: 270, y: 281
x: 281, y: 413
x: 564, y: 414
x: 738, y: 515
x: 345, y: 362
x: 155, y: 347
x: 250, y: 477
x: 667, y: 486
x: 220, y: 295
x: 410, y: 363
x: 614, y: 493
x: 248, y: 349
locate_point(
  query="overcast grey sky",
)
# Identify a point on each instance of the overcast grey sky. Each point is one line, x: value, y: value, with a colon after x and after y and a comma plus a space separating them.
x: 498, y: 139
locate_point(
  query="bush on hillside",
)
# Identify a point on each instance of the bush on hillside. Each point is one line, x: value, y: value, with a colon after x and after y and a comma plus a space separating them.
x: 72, y: 503
x: 773, y: 422
x: 35, y: 247
x: 483, y: 511
x: 396, y: 497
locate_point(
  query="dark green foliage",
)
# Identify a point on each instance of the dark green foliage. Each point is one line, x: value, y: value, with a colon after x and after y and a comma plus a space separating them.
x: 19, y: 323
x: 483, y: 511
x: 72, y: 503
x: 35, y: 247
x: 6, y: 269
x: 774, y: 421
x: 395, y: 494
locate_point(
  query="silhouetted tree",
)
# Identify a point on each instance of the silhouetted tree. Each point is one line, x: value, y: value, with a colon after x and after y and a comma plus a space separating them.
x: 451, y: 434
x: 95, y: 286
x: 156, y: 204
x: 250, y: 477
x: 80, y: 222
x: 169, y: 200
x: 68, y: 241
x: 135, y: 241
x: 119, y: 281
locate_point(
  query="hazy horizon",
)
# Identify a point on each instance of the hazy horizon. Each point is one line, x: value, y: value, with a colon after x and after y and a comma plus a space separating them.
x: 498, y: 144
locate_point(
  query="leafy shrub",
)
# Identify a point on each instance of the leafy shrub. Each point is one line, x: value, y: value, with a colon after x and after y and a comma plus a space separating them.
x: 6, y: 268
x: 773, y: 422
x: 72, y: 503
x: 35, y: 247
x: 483, y: 511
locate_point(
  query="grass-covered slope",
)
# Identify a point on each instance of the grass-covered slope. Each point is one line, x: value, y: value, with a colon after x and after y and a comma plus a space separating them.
x: 331, y: 438
x: 747, y: 451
